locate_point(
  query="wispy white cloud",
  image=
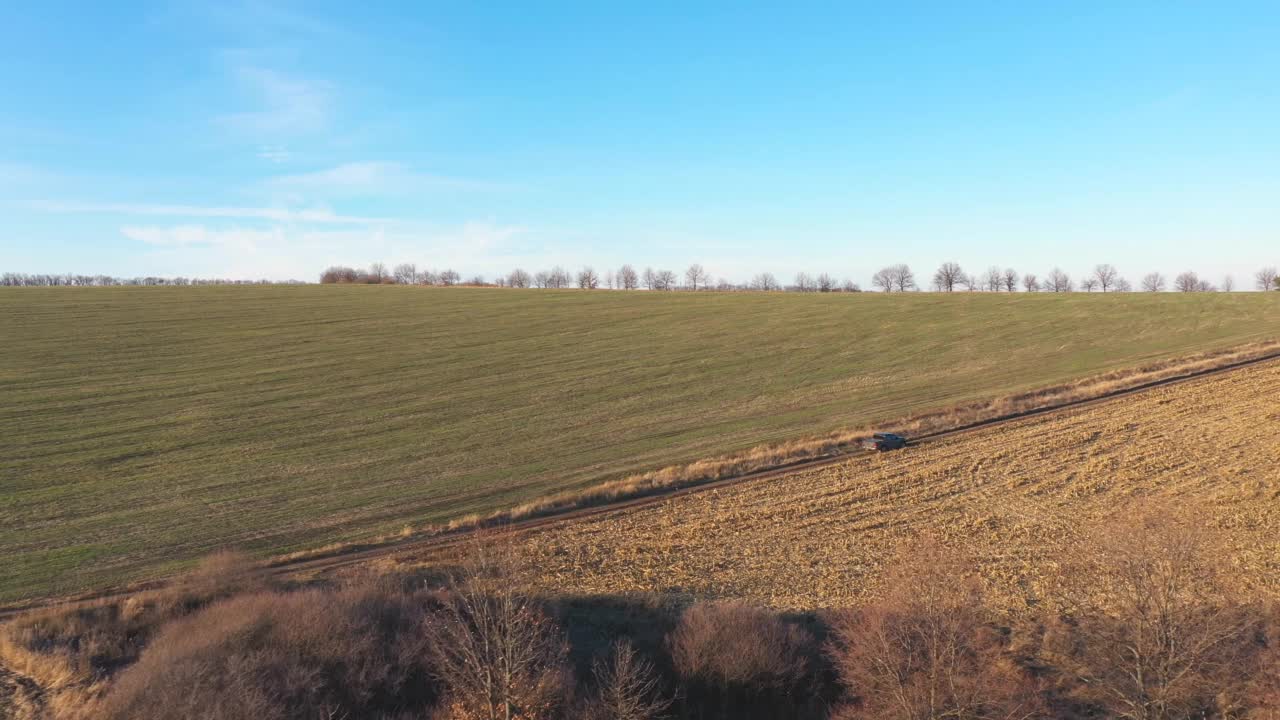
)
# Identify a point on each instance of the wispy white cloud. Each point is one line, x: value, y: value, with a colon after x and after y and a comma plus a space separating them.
x: 283, y: 252
x: 275, y: 154
x: 318, y: 215
x: 19, y: 174
x: 287, y: 104
x: 373, y: 178
x: 199, y: 235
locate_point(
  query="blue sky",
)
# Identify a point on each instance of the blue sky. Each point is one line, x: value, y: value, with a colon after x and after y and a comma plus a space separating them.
x: 272, y: 139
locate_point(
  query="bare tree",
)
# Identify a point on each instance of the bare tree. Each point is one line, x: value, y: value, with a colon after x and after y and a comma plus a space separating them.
x: 542, y: 279
x: 903, y: 278
x: 1106, y: 276
x: 627, y: 278
x: 825, y: 283
x: 1154, y: 627
x: 1010, y: 280
x: 804, y: 283
x: 1205, y: 286
x: 947, y: 276
x: 664, y: 280
x: 406, y: 273
x: 849, y: 286
x: 559, y: 278
x: 1153, y: 282
x: 628, y: 687
x: 695, y: 276
x: 968, y: 282
x: 1228, y: 283
x: 1265, y: 279
x: 1030, y: 282
x: 883, y: 279
x: 495, y: 651
x: 378, y: 273
x: 925, y: 649
x: 608, y: 279
x: 449, y: 277
x: 1089, y: 284
x: 518, y: 279
x: 587, y: 279
x: 1187, y: 282
x: 993, y: 281
x: 650, y: 279
x: 1058, y: 281
x: 765, y: 282
x: 1123, y: 285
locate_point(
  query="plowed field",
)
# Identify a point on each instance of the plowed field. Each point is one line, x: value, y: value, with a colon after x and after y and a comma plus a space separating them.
x: 1011, y: 494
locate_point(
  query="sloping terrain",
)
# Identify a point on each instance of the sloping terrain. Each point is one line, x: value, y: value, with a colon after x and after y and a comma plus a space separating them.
x: 145, y: 427
x: 1013, y: 494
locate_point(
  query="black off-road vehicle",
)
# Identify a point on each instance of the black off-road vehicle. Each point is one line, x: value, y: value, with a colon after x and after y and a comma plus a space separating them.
x: 881, y: 442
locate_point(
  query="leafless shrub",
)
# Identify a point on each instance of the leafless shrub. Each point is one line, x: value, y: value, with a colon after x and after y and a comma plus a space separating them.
x: 733, y: 646
x: 220, y: 574
x: 927, y: 649
x: 311, y: 654
x: 495, y: 651
x: 627, y: 687
x: 1152, y: 622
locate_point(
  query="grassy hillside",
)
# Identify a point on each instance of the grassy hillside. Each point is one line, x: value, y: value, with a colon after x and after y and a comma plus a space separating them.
x: 142, y: 427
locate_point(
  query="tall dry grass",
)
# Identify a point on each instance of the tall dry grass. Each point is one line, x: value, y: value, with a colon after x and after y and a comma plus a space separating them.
x: 69, y: 651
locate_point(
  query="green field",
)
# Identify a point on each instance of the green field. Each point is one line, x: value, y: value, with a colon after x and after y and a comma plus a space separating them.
x: 143, y: 427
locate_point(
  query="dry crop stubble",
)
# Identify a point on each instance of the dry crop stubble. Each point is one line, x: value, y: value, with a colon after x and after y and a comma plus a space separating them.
x: 1014, y: 496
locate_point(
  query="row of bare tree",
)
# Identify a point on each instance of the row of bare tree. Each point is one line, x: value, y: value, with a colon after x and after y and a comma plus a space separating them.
x: 1105, y: 278
x: 11, y: 279
x: 949, y: 277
